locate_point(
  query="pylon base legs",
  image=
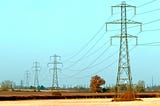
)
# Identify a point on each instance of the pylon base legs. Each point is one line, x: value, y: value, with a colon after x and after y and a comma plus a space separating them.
x: 126, y: 96
x: 124, y: 100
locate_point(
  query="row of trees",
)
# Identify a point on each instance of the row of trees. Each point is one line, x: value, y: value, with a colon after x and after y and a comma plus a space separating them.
x: 10, y: 85
x: 97, y: 82
x: 95, y: 86
x: 6, y: 85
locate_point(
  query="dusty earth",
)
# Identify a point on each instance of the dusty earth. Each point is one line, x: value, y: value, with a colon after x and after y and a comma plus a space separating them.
x: 82, y: 102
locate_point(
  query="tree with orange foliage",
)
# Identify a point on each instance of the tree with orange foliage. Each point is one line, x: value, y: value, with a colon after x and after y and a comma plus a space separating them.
x: 96, y: 82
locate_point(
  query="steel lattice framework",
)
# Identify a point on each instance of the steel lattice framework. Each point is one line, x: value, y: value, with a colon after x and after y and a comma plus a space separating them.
x: 54, y: 68
x: 124, y: 79
x: 36, y: 67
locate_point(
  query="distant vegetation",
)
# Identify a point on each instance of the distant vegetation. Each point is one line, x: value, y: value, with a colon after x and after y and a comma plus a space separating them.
x: 6, y: 85
x: 95, y: 86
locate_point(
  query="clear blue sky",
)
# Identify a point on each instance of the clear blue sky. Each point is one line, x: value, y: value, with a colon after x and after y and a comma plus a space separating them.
x: 33, y: 30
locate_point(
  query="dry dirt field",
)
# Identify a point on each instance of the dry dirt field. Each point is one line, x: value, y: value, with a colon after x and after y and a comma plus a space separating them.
x: 82, y: 102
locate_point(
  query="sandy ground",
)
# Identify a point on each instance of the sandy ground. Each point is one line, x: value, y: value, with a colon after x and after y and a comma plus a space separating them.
x: 82, y: 102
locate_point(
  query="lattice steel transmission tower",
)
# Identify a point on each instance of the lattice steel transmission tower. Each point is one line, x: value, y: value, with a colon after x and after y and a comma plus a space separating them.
x: 36, y: 68
x: 21, y: 84
x: 124, y: 87
x: 27, y: 79
x: 53, y: 66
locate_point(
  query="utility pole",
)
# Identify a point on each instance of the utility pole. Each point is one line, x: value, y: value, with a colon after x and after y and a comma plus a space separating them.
x: 53, y: 66
x: 36, y: 69
x: 27, y: 79
x: 124, y: 86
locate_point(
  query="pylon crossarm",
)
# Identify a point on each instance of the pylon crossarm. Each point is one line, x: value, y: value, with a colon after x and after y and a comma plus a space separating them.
x: 128, y: 36
x: 131, y: 36
x: 117, y: 36
x: 123, y: 4
x: 127, y: 22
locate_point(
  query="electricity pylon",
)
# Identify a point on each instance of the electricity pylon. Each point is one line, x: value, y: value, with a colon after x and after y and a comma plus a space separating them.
x: 36, y: 69
x: 53, y: 66
x: 124, y: 87
x: 27, y: 79
x: 21, y: 86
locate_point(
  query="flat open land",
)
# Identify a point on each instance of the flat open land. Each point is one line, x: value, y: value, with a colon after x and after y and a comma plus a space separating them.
x: 44, y: 98
x: 13, y: 95
x: 81, y: 102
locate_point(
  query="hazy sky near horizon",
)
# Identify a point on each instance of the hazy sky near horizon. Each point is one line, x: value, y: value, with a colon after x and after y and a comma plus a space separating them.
x: 34, y: 30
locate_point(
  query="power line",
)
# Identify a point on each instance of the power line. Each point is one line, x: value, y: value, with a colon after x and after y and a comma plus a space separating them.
x: 149, y: 11
x: 90, y: 65
x: 94, y: 65
x: 101, y: 28
x: 106, y: 59
x: 98, y: 49
x: 147, y: 3
x: 94, y: 60
x: 88, y: 51
x: 150, y: 44
x: 152, y: 22
x: 101, y: 70
x: 106, y: 67
x: 83, y: 47
x: 150, y: 30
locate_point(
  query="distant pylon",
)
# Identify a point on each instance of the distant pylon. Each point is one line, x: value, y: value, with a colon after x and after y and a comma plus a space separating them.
x: 36, y: 69
x: 53, y: 66
x: 21, y: 86
x: 124, y: 87
x: 27, y: 79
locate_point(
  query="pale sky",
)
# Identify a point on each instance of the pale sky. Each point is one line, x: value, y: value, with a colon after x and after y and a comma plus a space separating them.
x: 33, y: 30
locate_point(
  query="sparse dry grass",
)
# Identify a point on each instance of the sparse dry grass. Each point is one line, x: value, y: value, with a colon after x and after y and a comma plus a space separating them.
x: 82, y: 102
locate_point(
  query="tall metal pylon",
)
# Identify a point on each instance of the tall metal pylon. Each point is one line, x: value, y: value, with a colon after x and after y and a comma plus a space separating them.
x: 36, y: 69
x: 54, y: 62
x: 124, y: 87
x: 21, y: 84
x: 27, y: 79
